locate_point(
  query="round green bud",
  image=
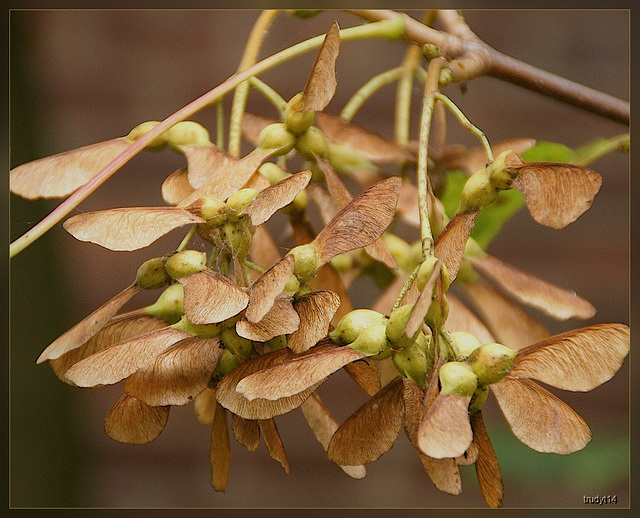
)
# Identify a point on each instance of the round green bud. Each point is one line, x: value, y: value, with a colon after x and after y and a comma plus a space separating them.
x: 400, y: 250
x: 373, y: 342
x: 426, y: 269
x: 504, y: 169
x: 277, y: 343
x: 306, y: 262
x: 203, y: 331
x: 445, y: 77
x: 241, y: 347
x: 491, y: 362
x: 210, y: 209
x: 237, y: 237
x: 240, y: 200
x: 152, y: 274
x: 345, y: 159
x: 342, y: 262
x: 169, y: 305
x: 142, y: 129
x: 293, y: 285
x: 354, y: 323
x: 185, y: 262
x: 228, y: 361
x: 412, y: 363
x: 276, y: 136
x: 395, y: 326
x: 478, y: 399
x: 431, y: 51
x: 437, y: 314
x: 296, y: 117
x: 478, y: 192
x: 311, y: 144
x: 465, y: 342
x: 187, y: 133
x: 273, y: 172
x: 458, y: 379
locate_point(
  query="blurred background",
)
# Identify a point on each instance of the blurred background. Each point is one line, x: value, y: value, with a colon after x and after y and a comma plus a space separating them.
x: 79, y: 77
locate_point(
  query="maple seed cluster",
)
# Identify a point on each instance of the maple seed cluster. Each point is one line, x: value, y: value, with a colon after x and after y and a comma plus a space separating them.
x: 247, y: 333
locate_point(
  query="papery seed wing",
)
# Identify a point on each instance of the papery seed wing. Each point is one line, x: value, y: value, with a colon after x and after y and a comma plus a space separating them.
x: 273, y: 441
x: 450, y: 245
x: 508, y: 322
x: 557, y: 194
x: 118, y: 329
x: 445, y: 431
x: 553, y: 301
x: 361, y: 222
x: 88, y: 326
x: 579, y: 360
x: 264, y: 250
x: 276, y: 196
x: 539, y: 419
x: 315, y: 310
x: 473, y: 159
x: 210, y: 298
x: 246, y: 432
x: 444, y: 473
x: 408, y: 205
x: 461, y: 318
x: 224, y: 185
x: 422, y: 305
x: 128, y: 228
x: 267, y: 287
x: 220, y: 453
x: 119, y: 361
x: 366, y: 374
x: 371, y: 430
x: 133, y: 422
x: 487, y: 467
x: 204, y: 406
x: 206, y: 162
x: 281, y: 319
x: 368, y: 143
x: 298, y: 374
x: 235, y: 402
x: 321, y: 85
x: 176, y: 187
x: 59, y: 175
x: 327, y: 278
x: 177, y: 375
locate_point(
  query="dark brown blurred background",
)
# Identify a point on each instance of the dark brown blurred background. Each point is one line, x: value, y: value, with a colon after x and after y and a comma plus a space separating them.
x: 79, y: 77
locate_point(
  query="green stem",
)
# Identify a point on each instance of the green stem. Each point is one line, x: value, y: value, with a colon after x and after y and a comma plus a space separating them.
x: 269, y: 93
x: 367, y: 90
x: 254, y: 267
x: 219, y: 124
x: 186, y: 239
x: 386, y: 29
x: 596, y: 150
x: 405, y: 287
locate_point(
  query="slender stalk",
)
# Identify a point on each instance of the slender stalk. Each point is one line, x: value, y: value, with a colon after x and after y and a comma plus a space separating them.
x: 269, y: 93
x: 386, y: 29
x: 405, y: 287
x: 219, y: 124
x: 186, y: 239
x: 367, y: 90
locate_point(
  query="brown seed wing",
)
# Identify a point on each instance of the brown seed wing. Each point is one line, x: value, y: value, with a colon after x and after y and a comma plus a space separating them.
x: 580, y: 360
x: 281, y: 319
x: 59, y: 175
x: 206, y: 162
x: 539, y: 419
x: 315, y: 309
x: 133, y: 422
x: 422, y: 305
x: 267, y: 287
x: 176, y: 187
x: 366, y: 374
x: 89, y: 326
x: 445, y: 432
x: 450, y: 245
x: 557, y: 194
x: 246, y: 432
x: 321, y: 85
x: 487, y: 467
x: 204, y: 406
x: 273, y: 441
x: 461, y: 318
x: 220, y: 453
x: 129, y: 228
x: 371, y: 430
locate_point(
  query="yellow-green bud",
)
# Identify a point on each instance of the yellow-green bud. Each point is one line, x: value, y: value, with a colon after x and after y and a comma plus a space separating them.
x: 458, y: 379
x: 210, y: 209
x: 169, y: 305
x: 187, y: 133
x: 240, y: 200
x: 203, y: 331
x: 504, y: 169
x: 477, y: 192
x: 396, y: 324
x: 412, y: 362
x: 276, y: 136
x: 296, y: 117
x: 152, y: 274
x: 293, y: 285
x: 437, y: 313
x: 373, y: 342
x: 344, y: 159
x: 306, y: 262
x: 354, y: 323
x: 185, y: 262
x: 478, y: 399
x: 241, y: 347
x: 465, y: 342
x: 237, y: 236
x: 342, y: 262
x: 142, y: 129
x: 277, y: 343
x: 491, y: 362
x: 426, y: 269
x: 273, y: 172
x: 400, y: 250
x: 228, y: 361
x: 311, y: 144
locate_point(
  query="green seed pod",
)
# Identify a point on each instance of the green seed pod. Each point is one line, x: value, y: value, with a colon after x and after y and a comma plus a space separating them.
x: 210, y: 209
x: 185, y: 262
x: 477, y: 192
x: 311, y: 144
x: 345, y: 159
x: 152, y: 274
x: 458, y: 379
x: 276, y: 136
x: 396, y: 324
x: 373, y: 342
x: 412, y: 363
x: 478, y: 399
x: 354, y: 323
x: 240, y: 200
x: 504, y: 168
x: 277, y: 343
x: 437, y: 314
x: 426, y: 269
x: 228, y: 361
x: 203, y: 331
x: 306, y: 262
x: 293, y: 285
x: 239, y: 346
x: 237, y: 237
x: 169, y: 305
x: 296, y: 117
x: 142, y: 129
x: 465, y: 342
x: 273, y: 172
x: 187, y: 133
x: 491, y: 362
x: 342, y: 262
